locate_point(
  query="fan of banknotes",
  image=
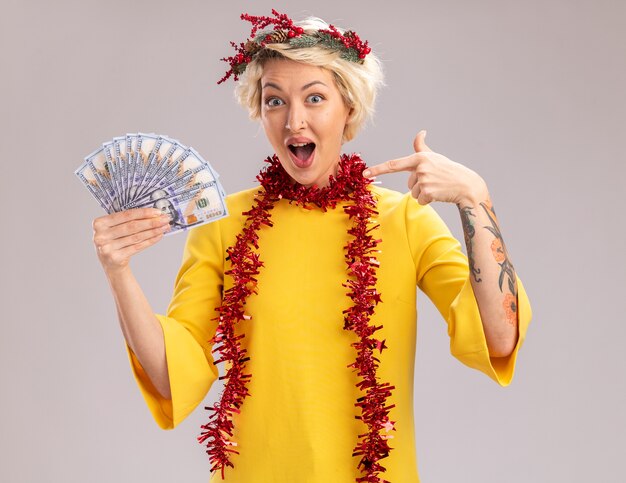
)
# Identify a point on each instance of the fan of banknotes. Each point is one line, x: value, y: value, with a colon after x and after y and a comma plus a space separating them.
x: 151, y: 170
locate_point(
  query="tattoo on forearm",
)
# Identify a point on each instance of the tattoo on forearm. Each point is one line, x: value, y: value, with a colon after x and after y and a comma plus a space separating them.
x: 507, y: 277
x: 469, y: 231
x: 500, y: 254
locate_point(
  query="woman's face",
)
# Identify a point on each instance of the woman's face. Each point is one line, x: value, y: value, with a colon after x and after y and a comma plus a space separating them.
x: 304, y: 116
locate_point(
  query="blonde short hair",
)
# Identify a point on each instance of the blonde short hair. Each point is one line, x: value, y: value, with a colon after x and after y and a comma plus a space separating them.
x: 357, y: 83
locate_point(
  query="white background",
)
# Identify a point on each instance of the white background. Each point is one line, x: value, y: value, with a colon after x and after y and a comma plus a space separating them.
x: 528, y: 94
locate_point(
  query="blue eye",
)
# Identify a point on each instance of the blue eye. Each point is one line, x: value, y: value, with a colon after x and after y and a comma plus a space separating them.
x: 273, y: 102
x: 315, y: 98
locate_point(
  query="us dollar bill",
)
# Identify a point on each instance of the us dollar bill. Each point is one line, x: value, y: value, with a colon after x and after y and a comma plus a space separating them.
x: 151, y: 170
x: 190, y: 208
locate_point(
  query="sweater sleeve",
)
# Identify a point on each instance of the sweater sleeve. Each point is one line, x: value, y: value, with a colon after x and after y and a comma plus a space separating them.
x: 443, y: 275
x: 187, y: 328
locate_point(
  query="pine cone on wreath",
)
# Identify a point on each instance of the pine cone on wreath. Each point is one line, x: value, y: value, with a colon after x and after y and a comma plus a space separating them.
x: 251, y: 47
x: 276, y: 37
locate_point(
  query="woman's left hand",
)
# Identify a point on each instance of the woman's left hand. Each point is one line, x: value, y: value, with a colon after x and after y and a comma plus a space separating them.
x: 434, y: 177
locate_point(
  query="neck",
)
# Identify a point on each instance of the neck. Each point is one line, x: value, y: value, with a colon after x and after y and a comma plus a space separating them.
x: 324, y: 180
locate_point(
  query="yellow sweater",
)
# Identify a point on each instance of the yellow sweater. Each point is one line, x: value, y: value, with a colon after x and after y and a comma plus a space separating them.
x: 298, y: 424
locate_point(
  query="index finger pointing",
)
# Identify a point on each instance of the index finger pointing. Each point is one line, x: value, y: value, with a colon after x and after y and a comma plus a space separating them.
x: 392, y: 166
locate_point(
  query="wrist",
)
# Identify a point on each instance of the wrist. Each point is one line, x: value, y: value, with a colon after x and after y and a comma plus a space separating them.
x: 118, y: 273
x: 474, y: 195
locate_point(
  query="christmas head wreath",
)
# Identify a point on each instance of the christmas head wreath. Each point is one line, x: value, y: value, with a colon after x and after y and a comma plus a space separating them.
x: 348, y: 43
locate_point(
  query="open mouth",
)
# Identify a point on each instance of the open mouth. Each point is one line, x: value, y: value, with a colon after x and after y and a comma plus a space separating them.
x: 302, y: 151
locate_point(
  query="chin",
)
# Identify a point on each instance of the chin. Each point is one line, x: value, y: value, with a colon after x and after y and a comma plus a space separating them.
x: 314, y: 174
x: 305, y: 179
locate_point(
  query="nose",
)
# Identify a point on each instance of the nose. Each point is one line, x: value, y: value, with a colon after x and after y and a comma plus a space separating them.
x: 296, y: 119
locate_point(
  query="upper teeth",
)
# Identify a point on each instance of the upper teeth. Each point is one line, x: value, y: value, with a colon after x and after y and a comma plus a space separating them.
x: 298, y: 145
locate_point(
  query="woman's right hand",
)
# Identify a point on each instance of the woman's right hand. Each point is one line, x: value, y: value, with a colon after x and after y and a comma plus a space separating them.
x: 119, y: 236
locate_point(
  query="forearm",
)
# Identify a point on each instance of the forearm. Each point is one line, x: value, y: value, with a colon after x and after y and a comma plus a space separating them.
x: 492, y: 274
x: 141, y: 329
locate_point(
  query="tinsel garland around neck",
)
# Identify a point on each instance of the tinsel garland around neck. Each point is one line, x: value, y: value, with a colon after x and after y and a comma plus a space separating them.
x: 348, y: 186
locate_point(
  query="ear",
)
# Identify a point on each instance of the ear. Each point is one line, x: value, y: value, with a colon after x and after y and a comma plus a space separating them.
x: 349, y: 119
x: 350, y: 115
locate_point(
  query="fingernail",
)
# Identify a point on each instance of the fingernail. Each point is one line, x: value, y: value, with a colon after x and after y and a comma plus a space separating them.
x: 367, y: 173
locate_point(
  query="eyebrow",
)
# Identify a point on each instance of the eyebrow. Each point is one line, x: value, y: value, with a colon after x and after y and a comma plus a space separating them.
x: 305, y: 87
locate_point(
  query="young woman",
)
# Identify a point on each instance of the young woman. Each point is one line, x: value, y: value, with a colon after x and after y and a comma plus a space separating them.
x: 307, y: 291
